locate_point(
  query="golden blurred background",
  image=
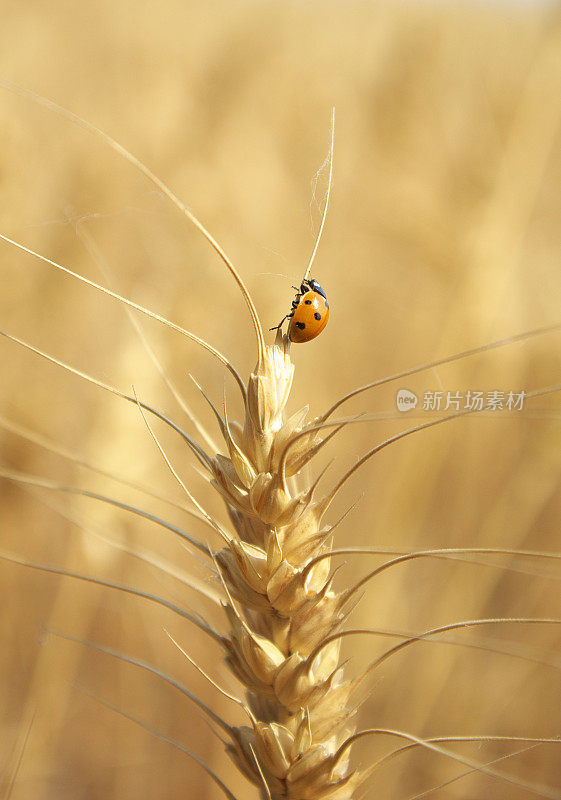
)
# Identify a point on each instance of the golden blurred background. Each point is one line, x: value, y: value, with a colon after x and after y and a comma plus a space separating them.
x: 444, y: 233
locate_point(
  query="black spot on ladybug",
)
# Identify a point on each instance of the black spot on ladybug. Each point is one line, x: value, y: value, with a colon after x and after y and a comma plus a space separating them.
x: 308, y: 302
x: 301, y: 325
x: 317, y: 315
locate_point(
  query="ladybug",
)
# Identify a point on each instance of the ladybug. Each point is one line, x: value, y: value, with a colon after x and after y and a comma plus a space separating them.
x: 309, y: 314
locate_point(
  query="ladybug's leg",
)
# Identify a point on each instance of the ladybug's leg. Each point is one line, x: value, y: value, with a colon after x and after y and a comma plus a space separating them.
x: 288, y: 316
x: 276, y: 327
x: 280, y: 323
x: 295, y: 304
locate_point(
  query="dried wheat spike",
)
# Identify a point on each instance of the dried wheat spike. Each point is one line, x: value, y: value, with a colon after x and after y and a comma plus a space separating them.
x: 279, y: 612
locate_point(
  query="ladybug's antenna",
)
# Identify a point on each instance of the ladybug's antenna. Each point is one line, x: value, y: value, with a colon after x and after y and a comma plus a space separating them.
x: 329, y: 184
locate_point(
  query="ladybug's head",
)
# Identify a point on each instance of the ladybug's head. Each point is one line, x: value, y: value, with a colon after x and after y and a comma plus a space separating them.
x: 315, y: 287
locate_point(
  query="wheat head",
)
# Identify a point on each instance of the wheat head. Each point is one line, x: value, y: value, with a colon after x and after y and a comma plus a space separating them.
x: 282, y: 608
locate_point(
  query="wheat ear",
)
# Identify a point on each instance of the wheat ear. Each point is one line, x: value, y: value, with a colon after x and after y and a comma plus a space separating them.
x: 278, y: 610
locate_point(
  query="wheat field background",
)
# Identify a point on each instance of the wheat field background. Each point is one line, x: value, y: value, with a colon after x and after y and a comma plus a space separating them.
x: 444, y: 233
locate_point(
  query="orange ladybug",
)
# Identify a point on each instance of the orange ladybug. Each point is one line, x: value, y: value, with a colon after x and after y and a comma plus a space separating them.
x: 309, y: 314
